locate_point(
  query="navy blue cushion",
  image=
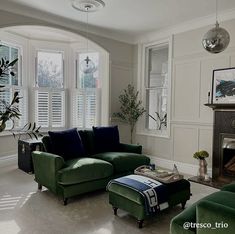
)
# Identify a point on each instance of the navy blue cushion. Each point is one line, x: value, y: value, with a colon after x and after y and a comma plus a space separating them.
x: 67, y: 143
x: 106, y: 139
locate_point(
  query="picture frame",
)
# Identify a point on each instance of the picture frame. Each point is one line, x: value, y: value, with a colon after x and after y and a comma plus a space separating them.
x: 223, y: 86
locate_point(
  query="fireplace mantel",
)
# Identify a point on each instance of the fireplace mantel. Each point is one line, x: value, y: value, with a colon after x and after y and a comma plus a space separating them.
x: 221, y: 106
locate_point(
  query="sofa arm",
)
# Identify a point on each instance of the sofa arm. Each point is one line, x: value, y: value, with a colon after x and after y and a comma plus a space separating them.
x: 46, y: 166
x: 229, y: 188
x: 220, y: 217
x: 131, y: 148
x: 179, y: 223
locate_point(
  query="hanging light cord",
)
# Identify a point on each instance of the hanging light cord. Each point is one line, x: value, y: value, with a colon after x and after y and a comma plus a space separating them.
x: 87, y: 8
x: 216, y: 12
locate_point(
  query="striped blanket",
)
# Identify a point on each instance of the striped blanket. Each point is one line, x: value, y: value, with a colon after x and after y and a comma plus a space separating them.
x: 154, y: 193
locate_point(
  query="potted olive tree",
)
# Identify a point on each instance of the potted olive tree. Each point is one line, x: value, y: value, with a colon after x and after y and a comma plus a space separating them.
x: 131, y: 108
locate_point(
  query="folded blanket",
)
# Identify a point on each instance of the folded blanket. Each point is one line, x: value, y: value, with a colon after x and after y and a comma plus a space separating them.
x: 155, y: 194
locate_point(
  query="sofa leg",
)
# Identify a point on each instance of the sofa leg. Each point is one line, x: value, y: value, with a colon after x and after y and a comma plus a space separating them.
x: 183, y: 205
x: 140, y: 223
x: 65, y: 201
x: 39, y: 186
x: 115, y: 210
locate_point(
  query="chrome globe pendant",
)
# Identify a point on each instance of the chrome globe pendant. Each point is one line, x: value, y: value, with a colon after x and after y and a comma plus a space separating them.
x: 217, y: 39
x: 87, y: 66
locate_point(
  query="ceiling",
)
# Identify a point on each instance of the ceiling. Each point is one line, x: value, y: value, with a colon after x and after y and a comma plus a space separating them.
x: 130, y: 17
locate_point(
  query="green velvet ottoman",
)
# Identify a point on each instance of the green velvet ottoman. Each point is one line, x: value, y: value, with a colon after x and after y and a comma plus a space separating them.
x: 131, y: 201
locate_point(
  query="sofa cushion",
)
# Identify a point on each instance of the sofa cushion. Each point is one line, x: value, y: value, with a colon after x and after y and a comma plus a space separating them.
x: 84, y: 169
x: 67, y: 143
x: 88, y: 141
x: 123, y: 161
x: 46, y: 140
x: 106, y: 139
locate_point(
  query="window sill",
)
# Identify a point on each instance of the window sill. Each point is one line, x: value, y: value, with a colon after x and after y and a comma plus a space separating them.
x: 5, y: 133
x: 157, y: 135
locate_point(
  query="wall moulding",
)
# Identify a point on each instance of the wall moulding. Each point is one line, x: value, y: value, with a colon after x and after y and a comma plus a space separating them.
x: 185, y: 168
x: 190, y: 123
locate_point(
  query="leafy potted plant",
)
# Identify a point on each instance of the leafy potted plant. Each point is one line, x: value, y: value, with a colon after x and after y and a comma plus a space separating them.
x: 131, y: 108
x: 201, y: 156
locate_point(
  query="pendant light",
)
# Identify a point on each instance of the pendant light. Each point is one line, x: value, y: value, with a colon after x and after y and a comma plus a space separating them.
x: 216, y: 39
x: 87, y: 66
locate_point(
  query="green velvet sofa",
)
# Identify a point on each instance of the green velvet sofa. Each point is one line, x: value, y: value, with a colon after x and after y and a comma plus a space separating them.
x: 212, y: 214
x: 84, y: 174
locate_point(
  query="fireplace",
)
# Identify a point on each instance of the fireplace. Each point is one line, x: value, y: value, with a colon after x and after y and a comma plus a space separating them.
x: 223, y: 162
x: 223, y: 154
x: 228, y: 155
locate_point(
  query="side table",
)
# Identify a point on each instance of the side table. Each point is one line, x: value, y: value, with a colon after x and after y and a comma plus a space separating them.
x: 25, y: 149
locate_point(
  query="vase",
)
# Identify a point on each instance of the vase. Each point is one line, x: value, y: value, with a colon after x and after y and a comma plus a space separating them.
x: 202, y: 168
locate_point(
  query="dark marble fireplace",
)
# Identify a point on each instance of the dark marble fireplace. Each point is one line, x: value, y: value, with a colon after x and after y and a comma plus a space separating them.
x: 223, y: 162
x: 223, y: 155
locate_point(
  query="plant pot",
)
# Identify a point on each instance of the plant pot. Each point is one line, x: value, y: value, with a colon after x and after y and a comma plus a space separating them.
x: 202, y: 168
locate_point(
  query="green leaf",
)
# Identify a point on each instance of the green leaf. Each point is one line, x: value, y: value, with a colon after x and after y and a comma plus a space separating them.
x: 29, y: 135
x: 29, y: 127
x: 12, y: 63
x: 34, y: 126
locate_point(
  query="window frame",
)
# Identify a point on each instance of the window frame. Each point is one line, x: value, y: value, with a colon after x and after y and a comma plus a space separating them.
x: 21, y: 87
x: 142, y: 86
x: 36, y: 65
x: 50, y: 90
x: 77, y: 90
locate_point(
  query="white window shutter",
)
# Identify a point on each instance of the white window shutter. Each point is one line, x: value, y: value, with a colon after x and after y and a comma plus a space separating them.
x: 86, y: 108
x: 22, y: 106
x: 42, y: 108
x: 57, y: 109
x: 5, y: 97
x: 90, y: 108
x: 78, y: 108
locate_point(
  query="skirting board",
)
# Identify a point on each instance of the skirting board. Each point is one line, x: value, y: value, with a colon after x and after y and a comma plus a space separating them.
x: 8, y: 160
x: 184, y: 168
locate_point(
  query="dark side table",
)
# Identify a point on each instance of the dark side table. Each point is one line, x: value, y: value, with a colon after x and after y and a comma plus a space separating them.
x: 25, y: 149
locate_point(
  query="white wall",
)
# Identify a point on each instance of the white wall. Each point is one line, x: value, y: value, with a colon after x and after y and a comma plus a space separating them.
x: 191, y: 122
x: 121, y: 68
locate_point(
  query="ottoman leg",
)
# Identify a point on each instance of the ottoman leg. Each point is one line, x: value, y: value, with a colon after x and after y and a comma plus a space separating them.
x: 115, y: 210
x: 140, y: 223
x: 65, y: 201
x: 183, y: 205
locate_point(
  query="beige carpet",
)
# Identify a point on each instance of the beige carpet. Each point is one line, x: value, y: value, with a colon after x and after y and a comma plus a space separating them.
x: 25, y: 210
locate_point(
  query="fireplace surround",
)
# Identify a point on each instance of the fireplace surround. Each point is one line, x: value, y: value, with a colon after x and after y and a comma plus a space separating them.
x: 223, y: 153
x: 223, y: 158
